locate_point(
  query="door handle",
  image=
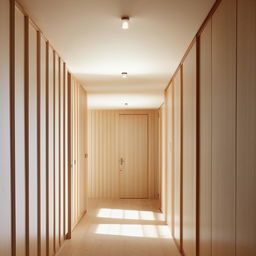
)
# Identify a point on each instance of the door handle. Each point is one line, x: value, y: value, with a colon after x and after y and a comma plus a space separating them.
x: 121, y: 161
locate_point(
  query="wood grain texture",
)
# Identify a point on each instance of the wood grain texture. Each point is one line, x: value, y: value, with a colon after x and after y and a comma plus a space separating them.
x: 5, y: 196
x: 223, y: 128
x: 103, y: 132
x: 246, y: 126
x: 205, y: 211
x: 177, y: 157
x: 189, y: 153
x: 19, y: 134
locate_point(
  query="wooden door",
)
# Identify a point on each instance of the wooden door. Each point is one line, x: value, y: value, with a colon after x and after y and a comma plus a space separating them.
x: 133, y: 149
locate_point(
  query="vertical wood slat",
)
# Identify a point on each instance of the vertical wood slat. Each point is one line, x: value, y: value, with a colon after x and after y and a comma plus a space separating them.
x: 20, y: 135
x: 5, y: 147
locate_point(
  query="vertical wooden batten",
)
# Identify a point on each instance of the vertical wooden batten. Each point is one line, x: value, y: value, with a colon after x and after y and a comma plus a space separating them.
x: 12, y: 125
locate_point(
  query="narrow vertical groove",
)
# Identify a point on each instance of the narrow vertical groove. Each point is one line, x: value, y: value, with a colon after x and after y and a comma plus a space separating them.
x: 26, y: 124
x: 39, y: 143
x: 64, y: 149
x: 59, y: 117
x: 197, y: 144
x: 47, y: 148
x: 12, y: 126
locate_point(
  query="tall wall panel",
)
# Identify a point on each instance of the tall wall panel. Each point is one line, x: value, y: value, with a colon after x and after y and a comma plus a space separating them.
x: 205, y: 111
x: 51, y: 165
x: 223, y: 128
x: 56, y: 154
x: 246, y: 127
x: 5, y: 181
x: 43, y: 143
x: 33, y: 138
x: 19, y: 134
x: 177, y: 157
x: 189, y: 153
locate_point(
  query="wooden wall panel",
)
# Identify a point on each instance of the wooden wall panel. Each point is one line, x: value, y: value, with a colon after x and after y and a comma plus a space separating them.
x: 56, y: 154
x: 51, y: 150
x: 33, y: 139
x: 223, y: 128
x: 177, y: 157
x: 20, y: 134
x: 5, y: 196
x: 43, y: 143
x: 246, y: 127
x: 103, y: 174
x: 189, y: 153
x: 169, y: 155
x: 205, y: 111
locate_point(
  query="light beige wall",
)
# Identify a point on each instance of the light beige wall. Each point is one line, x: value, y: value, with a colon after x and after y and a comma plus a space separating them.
x: 103, y: 153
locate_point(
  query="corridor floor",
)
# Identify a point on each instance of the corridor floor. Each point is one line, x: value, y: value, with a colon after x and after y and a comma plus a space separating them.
x: 121, y: 228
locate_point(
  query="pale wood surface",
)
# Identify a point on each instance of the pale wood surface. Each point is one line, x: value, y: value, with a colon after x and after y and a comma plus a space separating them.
x: 205, y: 111
x: 189, y: 153
x: 223, y: 128
x: 133, y: 149
x: 19, y: 133
x: 33, y: 137
x: 177, y: 156
x: 246, y: 127
x: 5, y: 197
x: 121, y: 227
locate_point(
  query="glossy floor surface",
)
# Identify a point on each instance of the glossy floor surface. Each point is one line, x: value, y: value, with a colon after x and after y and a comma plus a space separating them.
x: 121, y: 227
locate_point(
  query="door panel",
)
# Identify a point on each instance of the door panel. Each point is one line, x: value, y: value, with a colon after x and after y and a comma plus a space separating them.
x: 133, y: 156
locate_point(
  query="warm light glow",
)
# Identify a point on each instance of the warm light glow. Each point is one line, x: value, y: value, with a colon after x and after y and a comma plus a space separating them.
x: 125, y: 22
x: 134, y: 230
x: 129, y: 214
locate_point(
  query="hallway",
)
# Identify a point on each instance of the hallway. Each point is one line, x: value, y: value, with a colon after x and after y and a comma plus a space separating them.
x: 121, y: 227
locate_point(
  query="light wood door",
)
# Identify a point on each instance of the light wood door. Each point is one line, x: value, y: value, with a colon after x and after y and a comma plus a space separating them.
x: 133, y: 146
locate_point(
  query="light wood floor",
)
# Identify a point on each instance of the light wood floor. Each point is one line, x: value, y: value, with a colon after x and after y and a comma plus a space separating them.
x: 121, y: 227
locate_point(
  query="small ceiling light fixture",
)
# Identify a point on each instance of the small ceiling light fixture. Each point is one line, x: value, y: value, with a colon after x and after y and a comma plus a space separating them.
x: 125, y: 22
x: 124, y: 74
x: 126, y: 104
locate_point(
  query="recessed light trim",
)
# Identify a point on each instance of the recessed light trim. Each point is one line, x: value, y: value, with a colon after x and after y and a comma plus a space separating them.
x: 124, y: 74
x: 125, y: 22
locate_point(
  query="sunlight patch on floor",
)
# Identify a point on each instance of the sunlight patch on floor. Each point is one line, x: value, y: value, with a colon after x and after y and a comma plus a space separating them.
x: 128, y: 214
x: 133, y: 230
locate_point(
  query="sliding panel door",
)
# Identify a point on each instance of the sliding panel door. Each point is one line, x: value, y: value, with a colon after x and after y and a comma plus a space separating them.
x: 223, y: 128
x: 205, y: 211
x: 177, y: 158
x: 19, y: 135
x: 5, y: 196
x: 189, y: 153
x: 246, y: 127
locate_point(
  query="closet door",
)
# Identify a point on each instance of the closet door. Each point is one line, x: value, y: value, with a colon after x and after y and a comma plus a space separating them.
x: 205, y: 147
x: 189, y: 153
x: 223, y: 128
x: 5, y: 196
x: 246, y: 127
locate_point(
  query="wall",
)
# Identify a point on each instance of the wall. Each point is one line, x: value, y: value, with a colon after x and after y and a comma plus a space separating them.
x: 212, y: 192
x: 103, y: 153
x: 34, y: 139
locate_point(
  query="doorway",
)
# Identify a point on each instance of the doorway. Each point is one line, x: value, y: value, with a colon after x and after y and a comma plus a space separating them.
x: 133, y: 156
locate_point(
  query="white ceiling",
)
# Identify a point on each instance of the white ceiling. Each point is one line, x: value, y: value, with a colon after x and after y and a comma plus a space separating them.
x: 88, y: 36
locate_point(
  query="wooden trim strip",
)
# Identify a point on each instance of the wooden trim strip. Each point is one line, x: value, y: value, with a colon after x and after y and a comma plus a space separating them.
x: 47, y: 147
x: 12, y: 126
x: 59, y: 135
x: 38, y: 143
x: 64, y: 148
x: 68, y: 236
x: 54, y: 170
x: 26, y: 124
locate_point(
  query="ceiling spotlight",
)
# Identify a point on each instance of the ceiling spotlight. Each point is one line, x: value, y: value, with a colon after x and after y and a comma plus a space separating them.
x: 125, y: 22
x: 124, y: 74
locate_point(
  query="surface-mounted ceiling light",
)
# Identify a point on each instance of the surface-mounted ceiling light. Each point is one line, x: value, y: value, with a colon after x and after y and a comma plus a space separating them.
x: 124, y: 74
x: 125, y: 22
